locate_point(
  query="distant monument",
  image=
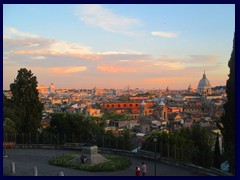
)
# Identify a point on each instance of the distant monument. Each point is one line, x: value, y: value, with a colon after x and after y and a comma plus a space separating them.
x: 89, y: 153
x: 90, y: 141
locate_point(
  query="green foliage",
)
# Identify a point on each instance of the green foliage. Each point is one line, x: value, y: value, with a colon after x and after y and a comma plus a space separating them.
x: 9, y: 126
x: 217, y: 155
x: 228, y: 119
x: 127, y: 140
x: 188, y: 144
x: 203, y: 143
x: 69, y: 124
x: 114, y: 116
x: 114, y: 163
x: 9, y: 109
x: 28, y: 108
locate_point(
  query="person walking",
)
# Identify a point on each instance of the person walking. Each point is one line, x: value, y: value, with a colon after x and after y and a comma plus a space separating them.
x: 138, y: 171
x: 144, y: 169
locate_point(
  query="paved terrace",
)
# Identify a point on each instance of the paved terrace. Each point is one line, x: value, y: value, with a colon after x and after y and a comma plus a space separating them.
x: 26, y: 159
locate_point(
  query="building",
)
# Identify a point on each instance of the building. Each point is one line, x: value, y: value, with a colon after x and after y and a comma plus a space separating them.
x: 52, y: 88
x: 204, y: 86
x: 190, y: 89
x: 126, y: 107
x: 44, y: 89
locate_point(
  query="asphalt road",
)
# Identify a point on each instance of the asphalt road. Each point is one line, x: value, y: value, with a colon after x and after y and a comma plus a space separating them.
x: 26, y: 159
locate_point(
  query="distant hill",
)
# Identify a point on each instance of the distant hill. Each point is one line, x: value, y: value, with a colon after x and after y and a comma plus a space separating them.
x: 219, y: 88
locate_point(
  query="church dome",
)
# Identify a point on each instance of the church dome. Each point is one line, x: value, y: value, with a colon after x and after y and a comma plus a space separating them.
x: 143, y: 103
x: 204, y: 82
x: 204, y: 86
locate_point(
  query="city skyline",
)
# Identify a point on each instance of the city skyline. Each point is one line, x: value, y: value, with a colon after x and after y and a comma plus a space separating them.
x: 113, y: 46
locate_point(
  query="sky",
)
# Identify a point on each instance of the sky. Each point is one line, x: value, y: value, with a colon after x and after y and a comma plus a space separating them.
x: 149, y: 46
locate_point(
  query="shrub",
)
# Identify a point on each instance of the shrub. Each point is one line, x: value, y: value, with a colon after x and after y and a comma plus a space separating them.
x: 114, y: 163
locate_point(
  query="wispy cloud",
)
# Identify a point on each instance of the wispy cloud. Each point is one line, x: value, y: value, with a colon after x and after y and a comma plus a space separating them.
x: 67, y: 70
x: 115, y: 69
x: 164, y: 34
x: 170, y: 65
x: 12, y: 32
x: 97, y: 15
x: 120, y: 52
x: 38, y: 57
x: 203, y: 58
x: 28, y: 44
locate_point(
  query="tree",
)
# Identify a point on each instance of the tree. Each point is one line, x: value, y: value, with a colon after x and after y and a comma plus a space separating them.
x: 9, y: 109
x: 228, y: 119
x: 74, y: 124
x: 217, y: 155
x: 25, y: 98
x: 9, y: 126
x: 127, y: 143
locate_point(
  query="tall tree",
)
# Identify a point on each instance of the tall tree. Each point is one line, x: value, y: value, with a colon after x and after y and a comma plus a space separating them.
x: 9, y: 109
x: 217, y: 155
x: 25, y: 98
x: 9, y: 126
x: 228, y: 119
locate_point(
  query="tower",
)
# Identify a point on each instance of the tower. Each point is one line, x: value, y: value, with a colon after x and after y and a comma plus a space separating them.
x: 162, y: 109
x: 142, y: 109
x: 52, y: 88
x: 190, y: 89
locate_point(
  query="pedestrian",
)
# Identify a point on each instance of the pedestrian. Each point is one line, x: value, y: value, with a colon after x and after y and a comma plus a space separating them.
x: 144, y: 169
x: 138, y: 171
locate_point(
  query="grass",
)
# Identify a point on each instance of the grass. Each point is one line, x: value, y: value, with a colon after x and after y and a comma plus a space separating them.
x: 114, y: 163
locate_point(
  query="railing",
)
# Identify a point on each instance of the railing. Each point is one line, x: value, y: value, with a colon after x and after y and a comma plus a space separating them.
x: 150, y: 155
x: 168, y: 150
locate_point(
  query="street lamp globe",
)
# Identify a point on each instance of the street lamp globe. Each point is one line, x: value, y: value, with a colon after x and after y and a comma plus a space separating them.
x: 155, y: 138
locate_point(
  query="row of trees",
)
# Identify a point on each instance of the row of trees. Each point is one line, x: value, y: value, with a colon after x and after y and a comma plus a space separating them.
x: 192, y: 145
x: 73, y: 128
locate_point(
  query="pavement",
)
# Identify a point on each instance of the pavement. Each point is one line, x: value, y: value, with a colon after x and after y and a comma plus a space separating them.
x: 26, y: 159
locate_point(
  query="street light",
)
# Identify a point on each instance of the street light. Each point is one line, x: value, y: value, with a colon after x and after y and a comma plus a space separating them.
x: 4, y: 141
x: 155, y: 138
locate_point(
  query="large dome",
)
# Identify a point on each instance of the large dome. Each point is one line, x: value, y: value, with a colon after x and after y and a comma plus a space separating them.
x: 204, y: 86
x: 204, y: 82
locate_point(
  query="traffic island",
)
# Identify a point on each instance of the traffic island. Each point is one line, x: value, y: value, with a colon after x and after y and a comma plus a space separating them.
x: 112, y: 163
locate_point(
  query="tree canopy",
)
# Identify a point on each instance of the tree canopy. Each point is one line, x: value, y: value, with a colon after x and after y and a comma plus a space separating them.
x: 228, y: 119
x: 28, y: 108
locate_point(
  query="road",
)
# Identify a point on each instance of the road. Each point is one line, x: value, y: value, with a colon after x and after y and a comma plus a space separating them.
x: 26, y: 159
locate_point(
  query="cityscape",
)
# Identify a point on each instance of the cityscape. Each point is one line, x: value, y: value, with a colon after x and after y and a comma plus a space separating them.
x: 108, y: 80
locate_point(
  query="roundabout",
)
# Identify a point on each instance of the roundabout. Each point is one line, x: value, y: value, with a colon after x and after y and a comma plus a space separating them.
x: 26, y: 159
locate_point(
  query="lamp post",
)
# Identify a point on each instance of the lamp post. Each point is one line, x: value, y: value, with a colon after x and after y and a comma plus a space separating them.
x: 155, y: 138
x: 137, y: 144
x: 4, y: 146
x: 4, y: 140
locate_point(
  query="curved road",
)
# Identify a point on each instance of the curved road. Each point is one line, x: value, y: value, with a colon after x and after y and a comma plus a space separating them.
x: 26, y: 159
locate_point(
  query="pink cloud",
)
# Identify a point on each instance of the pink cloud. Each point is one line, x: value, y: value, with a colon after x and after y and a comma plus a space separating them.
x: 67, y: 70
x: 52, y: 53
x: 115, y: 69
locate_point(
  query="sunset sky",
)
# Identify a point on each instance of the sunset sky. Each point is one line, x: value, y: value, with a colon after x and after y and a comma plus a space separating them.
x: 113, y: 46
